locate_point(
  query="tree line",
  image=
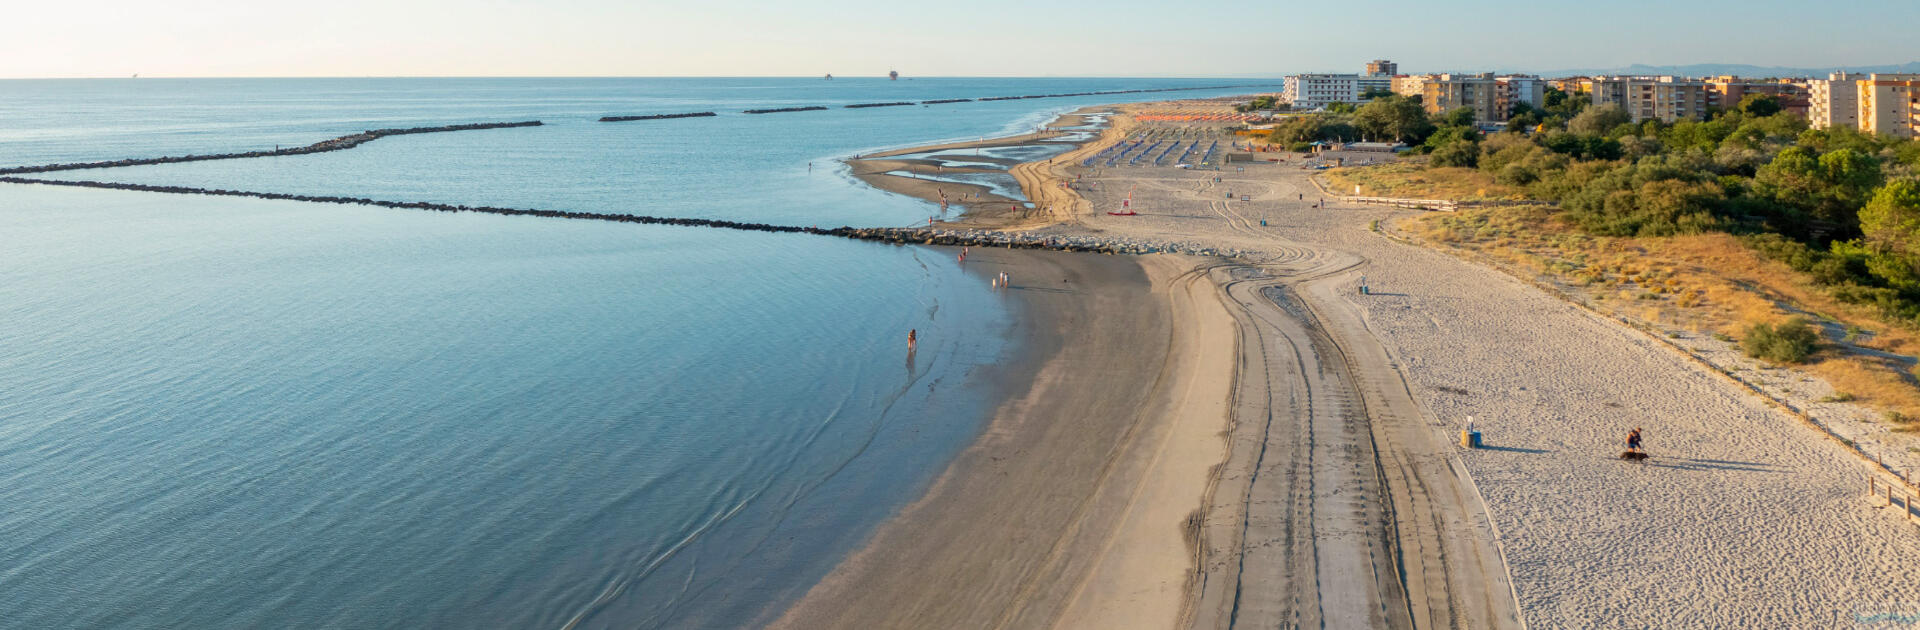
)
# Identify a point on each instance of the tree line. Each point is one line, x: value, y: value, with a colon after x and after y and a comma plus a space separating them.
x: 1836, y: 203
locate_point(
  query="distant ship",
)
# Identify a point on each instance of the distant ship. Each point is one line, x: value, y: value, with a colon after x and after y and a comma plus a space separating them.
x: 893, y: 75
x: 829, y: 76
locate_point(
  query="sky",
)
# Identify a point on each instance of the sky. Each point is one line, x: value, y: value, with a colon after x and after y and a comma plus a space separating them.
x: 353, y: 38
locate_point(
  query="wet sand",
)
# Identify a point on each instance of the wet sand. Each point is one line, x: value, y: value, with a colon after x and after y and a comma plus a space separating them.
x: 1077, y: 506
x: 985, y: 208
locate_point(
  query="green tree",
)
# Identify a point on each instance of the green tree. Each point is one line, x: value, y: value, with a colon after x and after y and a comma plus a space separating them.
x: 1311, y: 128
x: 1523, y: 122
x: 1555, y: 98
x: 1564, y: 104
x: 1463, y: 153
x: 1373, y: 93
x: 1831, y: 187
x: 1450, y: 135
x: 1337, y: 107
x: 1790, y: 342
x: 1891, y: 221
x: 1598, y: 120
x: 1458, y: 117
x: 1392, y: 117
x: 1760, y: 105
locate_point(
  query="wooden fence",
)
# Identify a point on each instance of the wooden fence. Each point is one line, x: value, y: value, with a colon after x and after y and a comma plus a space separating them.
x: 1895, y: 492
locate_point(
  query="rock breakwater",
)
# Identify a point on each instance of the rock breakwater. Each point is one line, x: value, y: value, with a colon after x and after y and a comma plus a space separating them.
x: 778, y: 110
x: 901, y: 236
x: 655, y: 117
x: 335, y: 144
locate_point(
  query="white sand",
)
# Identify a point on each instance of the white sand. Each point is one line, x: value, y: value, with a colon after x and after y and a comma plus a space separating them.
x: 1745, y: 518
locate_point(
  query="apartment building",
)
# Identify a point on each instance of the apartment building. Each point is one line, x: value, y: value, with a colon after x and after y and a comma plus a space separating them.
x: 1889, y: 104
x: 1410, y: 84
x: 1515, y: 89
x: 1572, y: 85
x: 1666, y: 98
x: 1382, y: 68
x: 1492, y: 98
x: 1834, y: 101
x: 1726, y: 92
x: 1448, y: 92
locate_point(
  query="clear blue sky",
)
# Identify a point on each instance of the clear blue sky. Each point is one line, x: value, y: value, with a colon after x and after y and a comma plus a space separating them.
x: 115, y: 38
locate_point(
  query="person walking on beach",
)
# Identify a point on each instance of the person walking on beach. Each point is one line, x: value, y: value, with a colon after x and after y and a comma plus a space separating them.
x: 1633, y: 440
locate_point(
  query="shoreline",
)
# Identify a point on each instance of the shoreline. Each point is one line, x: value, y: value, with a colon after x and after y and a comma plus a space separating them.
x: 1083, y: 501
x: 1042, y: 201
x: 1086, y: 482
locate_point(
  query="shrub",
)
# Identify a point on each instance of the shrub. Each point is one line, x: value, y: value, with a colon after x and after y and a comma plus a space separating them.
x: 1791, y: 341
x: 1457, y: 153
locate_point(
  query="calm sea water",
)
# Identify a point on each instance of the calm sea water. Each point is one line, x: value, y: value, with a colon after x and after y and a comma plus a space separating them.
x: 239, y: 413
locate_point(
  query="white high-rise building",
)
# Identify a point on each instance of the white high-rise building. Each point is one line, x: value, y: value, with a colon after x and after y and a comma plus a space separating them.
x: 1834, y: 101
x: 1314, y: 91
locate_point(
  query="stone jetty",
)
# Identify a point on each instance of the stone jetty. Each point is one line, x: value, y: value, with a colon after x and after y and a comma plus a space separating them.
x: 1002, y: 98
x: 655, y: 117
x: 778, y: 110
x: 336, y: 144
x: 901, y: 236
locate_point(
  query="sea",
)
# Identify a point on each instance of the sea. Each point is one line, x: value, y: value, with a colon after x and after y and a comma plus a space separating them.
x: 236, y: 413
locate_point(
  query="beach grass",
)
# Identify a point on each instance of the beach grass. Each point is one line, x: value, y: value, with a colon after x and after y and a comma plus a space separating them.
x: 1415, y: 180
x: 1709, y: 284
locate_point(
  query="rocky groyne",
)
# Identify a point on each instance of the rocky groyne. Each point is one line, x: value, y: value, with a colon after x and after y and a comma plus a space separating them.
x: 778, y: 110
x: 902, y: 236
x: 335, y: 144
x: 655, y: 117
x: 1001, y: 98
x: 1111, y: 92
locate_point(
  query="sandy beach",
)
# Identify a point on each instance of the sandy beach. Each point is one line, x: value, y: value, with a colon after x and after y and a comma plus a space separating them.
x: 1747, y: 518
x: 1040, y: 201
x: 1078, y: 492
x: 1334, y: 493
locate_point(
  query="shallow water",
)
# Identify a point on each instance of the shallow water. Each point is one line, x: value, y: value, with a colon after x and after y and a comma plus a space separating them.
x: 238, y: 413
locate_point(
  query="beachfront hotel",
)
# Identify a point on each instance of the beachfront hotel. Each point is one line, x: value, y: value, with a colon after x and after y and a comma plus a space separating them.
x: 1314, y: 91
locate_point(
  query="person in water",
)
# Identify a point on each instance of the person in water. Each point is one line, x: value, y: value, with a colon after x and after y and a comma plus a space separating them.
x: 1633, y: 440
x: 913, y: 338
